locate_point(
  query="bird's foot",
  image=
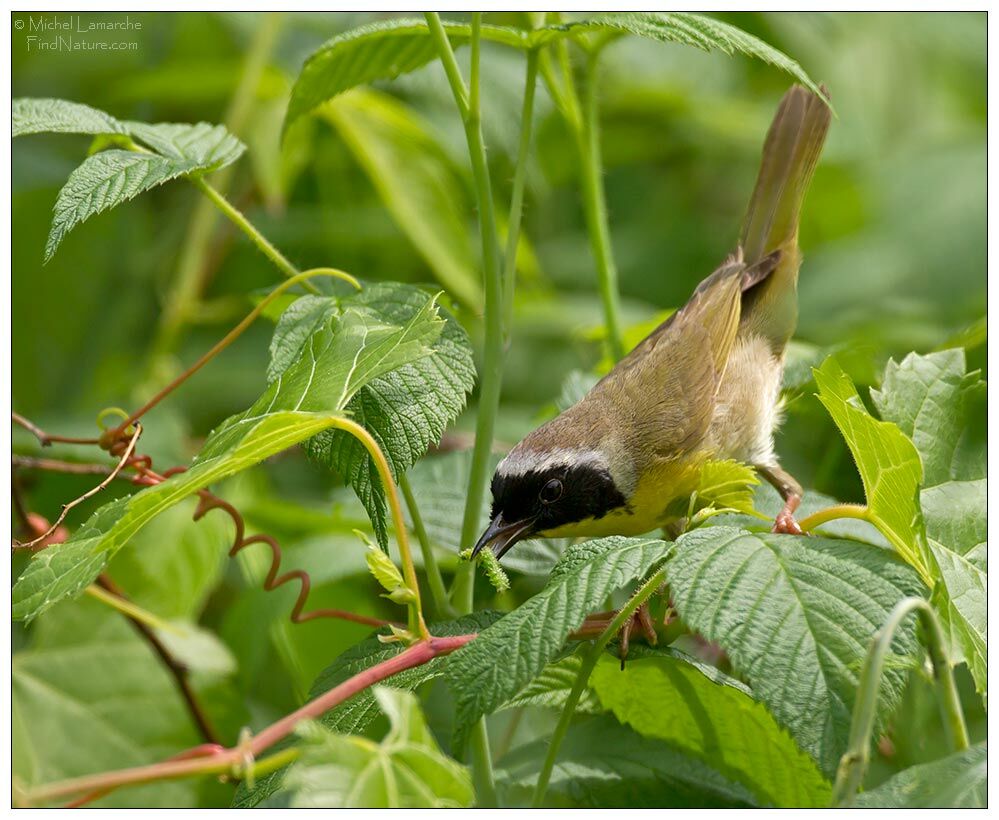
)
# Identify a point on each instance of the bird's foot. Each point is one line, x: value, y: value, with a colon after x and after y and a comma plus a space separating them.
x: 785, y: 523
x: 643, y: 620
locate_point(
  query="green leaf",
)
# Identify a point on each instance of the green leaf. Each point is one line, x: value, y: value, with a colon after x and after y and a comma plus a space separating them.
x: 385, y: 50
x: 551, y: 688
x: 96, y: 702
x: 888, y: 462
x: 404, y: 429
x: 40, y: 116
x: 936, y: 403
x: 111, y: 177
x: 696, y: 30
x: 796, y: 616
x: 306, y: 399
x: 532, y: 635
x: 715, y: 719
x: 958, y: 781
x: 379, y: 51
x: 727, y: 484
x: 931, y: 398
x: 406, y: 770
x: 416, y: 182
x: 356, y: 714
x: 602, y: 764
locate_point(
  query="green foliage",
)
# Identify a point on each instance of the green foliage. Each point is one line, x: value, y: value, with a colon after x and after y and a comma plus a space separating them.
x: 415, y: 180
x: 390, y: 48
x: 715, y: 719
x: 747, y: 699
x: 405, y: 770
x: 604, y: 764
x: 888, y: 463
x: 532, y: 635
x: 795, y: 615
x: 935, y: 402
x: 339, y: 359
x: 111, y: 177
x: 957, y: 781
x: 403, y: 429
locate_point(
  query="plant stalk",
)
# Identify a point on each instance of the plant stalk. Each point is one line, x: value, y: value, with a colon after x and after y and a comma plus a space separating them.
x: 236, y: 217
x: 438, y: 592
x: 837, y: 511
x: 853, y: 764
x: 585, y: 670
x: 185, y: 291
x: 416, y: 621
x: 491, y: 379
x: 517, y: 195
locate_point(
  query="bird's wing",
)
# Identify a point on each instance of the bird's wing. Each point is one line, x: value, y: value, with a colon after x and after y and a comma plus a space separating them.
x: 664, y: 390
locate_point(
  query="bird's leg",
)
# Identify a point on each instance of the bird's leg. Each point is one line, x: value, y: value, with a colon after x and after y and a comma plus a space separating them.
x: 643, y: 620
x: 790, y: 490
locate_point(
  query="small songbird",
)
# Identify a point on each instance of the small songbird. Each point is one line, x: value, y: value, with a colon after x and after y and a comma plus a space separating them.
x: 704, y: 385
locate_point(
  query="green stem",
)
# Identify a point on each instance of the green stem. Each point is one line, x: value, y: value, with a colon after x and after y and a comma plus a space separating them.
x: 241, y: 222
x: 492, y: 361
x: 585, y: 670
x: 837, y: 511
x: 438, y: 592
x: 417, y: 624
x: 853, y: 764
x: 517, y: 196
x: 595, y: 206
x: 185, y: 291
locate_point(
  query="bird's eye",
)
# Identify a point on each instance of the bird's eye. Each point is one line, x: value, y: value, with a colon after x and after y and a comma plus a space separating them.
x: 551, y: 492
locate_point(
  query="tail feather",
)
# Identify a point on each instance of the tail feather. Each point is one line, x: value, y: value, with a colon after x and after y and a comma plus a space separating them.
x: 790, y: 154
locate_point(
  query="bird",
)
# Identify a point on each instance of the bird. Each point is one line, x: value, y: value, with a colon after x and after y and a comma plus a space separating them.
x: 704, y: 385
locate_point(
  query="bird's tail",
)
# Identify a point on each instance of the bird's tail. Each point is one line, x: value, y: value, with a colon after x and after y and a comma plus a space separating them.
x: 790, y: 155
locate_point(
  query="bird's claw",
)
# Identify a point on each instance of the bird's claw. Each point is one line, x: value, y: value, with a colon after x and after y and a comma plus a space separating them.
x: 643, y: 620
x: 785, y: 524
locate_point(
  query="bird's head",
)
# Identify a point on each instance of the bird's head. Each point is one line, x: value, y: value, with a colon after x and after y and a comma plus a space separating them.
x: 550, y: 491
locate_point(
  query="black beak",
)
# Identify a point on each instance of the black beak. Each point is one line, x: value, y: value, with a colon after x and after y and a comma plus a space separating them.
x: 503, y: 535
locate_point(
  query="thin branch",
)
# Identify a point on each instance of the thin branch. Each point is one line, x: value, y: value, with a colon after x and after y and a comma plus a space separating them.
x: 229, y: 759
x: 177, y: 669
x: 45, y: 439
x: 230, y: 337
x: 122, y: 462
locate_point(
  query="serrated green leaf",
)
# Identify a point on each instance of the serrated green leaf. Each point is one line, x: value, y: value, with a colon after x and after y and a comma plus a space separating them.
x: 935, y: 402
x: 406, y: 770
x: 888, y: 463
x: 796, y: 616
x: 532, y: 635
x: 306, y: 399
x: 695, y: 30
x: 379, y: 51
x: 715, y: 719
x: 602, y: 764
x: 416, y: 182
x: 726, y: 484
x: 958, y: 781
x: 385, y: 50
x: 384, y: 569
x: 356, y: 714
x: 41, y: 115
x: 404, y: 429
x: 111, y: 177
x: 551, y: 688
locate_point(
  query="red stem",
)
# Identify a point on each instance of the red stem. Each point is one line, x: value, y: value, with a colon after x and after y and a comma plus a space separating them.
x: 414, y: 656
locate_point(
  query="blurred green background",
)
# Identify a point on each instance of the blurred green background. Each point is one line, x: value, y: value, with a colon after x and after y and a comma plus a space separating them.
x: 893, y: 232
